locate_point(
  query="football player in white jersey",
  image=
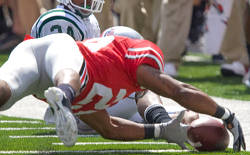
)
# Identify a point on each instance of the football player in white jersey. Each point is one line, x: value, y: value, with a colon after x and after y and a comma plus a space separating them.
x: 74, y: 17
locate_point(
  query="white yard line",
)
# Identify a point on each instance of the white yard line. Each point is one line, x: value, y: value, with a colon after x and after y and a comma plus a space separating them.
x: 50, y: 136
x: 115, y: 143
x: 92, y: 152
x: 8, y: 129
x: 21, y: 122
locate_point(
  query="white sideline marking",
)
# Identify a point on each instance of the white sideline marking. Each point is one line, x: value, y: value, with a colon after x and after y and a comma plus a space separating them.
x: 45, y: 128
x: 49, y: 136
x: 114, y: 143
x: 30, y: 122
x: 92, y: 152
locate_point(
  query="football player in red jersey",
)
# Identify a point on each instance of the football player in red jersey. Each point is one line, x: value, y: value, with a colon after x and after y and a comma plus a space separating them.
x: 87, y: 77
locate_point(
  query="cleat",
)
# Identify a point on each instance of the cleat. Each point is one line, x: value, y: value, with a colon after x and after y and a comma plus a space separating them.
x: 234, y: 69
x: 246, y: 79
x: 66, y: 126
x: 50, y: 119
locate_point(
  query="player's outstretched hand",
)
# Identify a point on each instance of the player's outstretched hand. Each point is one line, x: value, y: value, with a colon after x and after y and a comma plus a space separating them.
x: 233, y: 125
x: 174, y: 131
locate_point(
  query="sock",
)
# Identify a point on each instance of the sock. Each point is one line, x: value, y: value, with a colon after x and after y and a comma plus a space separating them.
x: 69, y: 93
x: 156, y: 113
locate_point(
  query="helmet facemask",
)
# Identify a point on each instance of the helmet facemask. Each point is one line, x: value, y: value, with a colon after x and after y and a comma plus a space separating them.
x: 89, y: 6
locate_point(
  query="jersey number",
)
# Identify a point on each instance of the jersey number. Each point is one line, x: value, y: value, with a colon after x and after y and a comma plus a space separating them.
x: 106, y: 95
x: 58, y: 28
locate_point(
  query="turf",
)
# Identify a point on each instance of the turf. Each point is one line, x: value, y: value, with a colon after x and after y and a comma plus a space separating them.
x: 52, y: 145
x: 3, y: 57
x: 206, y: 76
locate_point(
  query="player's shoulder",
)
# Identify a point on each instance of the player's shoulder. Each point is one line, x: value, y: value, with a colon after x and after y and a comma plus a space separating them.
x: 56, y: 15
x: 92, y: 18
x: 58, y: 18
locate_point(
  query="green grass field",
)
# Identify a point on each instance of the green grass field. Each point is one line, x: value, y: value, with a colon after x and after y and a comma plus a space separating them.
x: 206, y: 76
x: 26, y: 136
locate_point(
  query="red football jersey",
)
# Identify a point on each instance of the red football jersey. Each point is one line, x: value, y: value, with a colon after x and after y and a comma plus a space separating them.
x: 108, y: 73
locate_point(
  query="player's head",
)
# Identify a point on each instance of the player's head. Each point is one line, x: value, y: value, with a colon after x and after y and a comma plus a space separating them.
x: 122, y: 31
x: 86, y: 7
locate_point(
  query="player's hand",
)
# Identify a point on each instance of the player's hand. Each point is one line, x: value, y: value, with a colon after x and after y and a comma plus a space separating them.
x: 233, y: 125
x: 174, y: 131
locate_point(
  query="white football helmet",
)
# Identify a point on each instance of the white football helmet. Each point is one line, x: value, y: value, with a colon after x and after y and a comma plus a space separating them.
x: 121, y: 31
x: 92, y: 6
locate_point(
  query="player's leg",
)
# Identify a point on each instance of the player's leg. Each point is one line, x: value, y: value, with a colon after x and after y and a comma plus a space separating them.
x: 63, y: 63
x: 188, y: 117
x: 151, y: 108
x: 18, y: 75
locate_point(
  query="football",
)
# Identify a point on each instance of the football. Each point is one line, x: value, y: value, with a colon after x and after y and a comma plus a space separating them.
x: 208, y: 134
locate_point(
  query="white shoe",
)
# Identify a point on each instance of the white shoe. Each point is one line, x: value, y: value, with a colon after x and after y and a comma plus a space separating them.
x: 246, y: 79
x: 234, y: 69
x: 170, y: 69
x: 66, y: 126
x: 50, y: 118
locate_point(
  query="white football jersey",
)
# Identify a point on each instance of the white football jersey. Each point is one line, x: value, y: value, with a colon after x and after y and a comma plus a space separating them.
x: 62, y: 20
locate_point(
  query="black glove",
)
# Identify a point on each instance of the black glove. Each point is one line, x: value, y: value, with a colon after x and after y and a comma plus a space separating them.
x: 233, y: 125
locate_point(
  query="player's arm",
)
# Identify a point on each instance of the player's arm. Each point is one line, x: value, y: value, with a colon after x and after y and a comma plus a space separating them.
x: 121, y: 129
x: 190, y: 98
x: 151, y: 108
x: 184, y: 94
x: 113, y: 127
